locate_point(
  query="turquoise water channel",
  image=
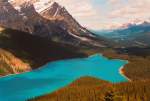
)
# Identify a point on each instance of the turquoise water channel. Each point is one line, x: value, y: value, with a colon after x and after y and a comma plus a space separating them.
x: 58, y: 74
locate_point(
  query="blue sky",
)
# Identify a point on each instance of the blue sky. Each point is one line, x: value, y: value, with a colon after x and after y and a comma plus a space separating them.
x: 105, y: 14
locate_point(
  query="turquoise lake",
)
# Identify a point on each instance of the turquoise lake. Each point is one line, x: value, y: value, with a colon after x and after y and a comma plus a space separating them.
x: 58, y: 74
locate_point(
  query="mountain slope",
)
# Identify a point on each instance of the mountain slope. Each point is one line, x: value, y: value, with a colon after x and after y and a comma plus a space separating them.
x: 9, y: 16
x: 10, y: 64
x: 20, y: 51
x: 64, y: 20
x: 55, y: 23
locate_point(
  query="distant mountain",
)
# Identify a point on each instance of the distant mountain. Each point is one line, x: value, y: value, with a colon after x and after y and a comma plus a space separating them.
x: 133, y: 35
x: 53, y: 22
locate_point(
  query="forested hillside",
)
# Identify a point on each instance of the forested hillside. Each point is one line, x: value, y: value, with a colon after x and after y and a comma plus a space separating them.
x: 91, y: 89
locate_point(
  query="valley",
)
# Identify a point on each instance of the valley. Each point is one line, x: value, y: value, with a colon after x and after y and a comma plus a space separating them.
x: 132, y: 70
x: 133, y: 35
x: 47, y: 55
x: 87, y: 88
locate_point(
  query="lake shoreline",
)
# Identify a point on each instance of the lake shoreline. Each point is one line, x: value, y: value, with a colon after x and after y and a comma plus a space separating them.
x: 121, y: 71
x: 56, y: 75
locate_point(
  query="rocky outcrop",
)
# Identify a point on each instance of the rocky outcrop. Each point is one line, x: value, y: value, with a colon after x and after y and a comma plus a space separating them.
x: 9, y: 16
x: 64, y: 20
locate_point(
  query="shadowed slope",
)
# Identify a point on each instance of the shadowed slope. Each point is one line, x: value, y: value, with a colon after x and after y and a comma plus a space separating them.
x: 35, y: 50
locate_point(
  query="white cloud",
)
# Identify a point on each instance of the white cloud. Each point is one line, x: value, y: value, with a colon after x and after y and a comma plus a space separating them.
x: 137, y: 9
x: 114, y: 2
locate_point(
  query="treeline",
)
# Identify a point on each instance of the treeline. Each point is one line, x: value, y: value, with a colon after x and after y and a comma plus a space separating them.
x: 134, y: 91
x: 138, y: 67
x: 91, y: 89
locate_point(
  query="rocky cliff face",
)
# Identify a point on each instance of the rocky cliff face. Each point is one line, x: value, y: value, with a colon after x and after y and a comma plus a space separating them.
x: 54, y: 22
x: 64, y: 19
x: 9, y: 16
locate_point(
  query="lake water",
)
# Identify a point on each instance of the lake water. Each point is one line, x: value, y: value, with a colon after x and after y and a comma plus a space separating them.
x: 56, y: 75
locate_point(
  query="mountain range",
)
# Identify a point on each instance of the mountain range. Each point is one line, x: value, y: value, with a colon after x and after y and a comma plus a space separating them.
x: 53, y: 22
x: 33, y: 33
x: 48, y: 32
x: 133, y: 35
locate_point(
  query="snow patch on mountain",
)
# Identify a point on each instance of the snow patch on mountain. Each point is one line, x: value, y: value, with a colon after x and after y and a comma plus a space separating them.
x: 39, y: 5
x: 81, y: 38
x: 42, y: 5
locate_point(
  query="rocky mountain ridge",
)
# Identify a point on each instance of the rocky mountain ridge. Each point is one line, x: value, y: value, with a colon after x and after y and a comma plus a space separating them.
x: 53, y: 23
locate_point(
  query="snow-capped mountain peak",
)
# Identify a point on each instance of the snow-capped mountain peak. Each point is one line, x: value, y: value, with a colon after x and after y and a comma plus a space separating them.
x: 42, y: 5
x: 39, y: 5
x: 46, y: 19
x: 135, y: 22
